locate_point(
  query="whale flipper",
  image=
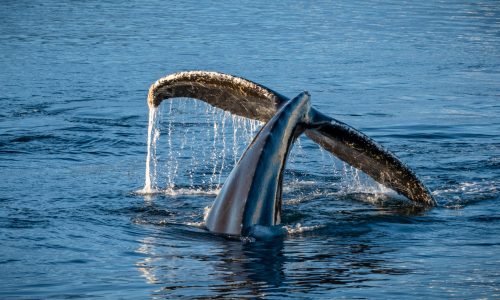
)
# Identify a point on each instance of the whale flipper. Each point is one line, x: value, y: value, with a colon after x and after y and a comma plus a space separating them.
x: 252, y: 192
x: 251, y: 100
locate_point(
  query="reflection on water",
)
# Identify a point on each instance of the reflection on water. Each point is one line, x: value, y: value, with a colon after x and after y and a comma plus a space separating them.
x: 247, y: 268
x: 250, y: 267
x: 235, y: 267
x: 145, y: 265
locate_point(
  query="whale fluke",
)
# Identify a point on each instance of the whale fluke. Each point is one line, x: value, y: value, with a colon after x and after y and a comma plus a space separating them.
x: 251, y: 100
x: 237, y: 95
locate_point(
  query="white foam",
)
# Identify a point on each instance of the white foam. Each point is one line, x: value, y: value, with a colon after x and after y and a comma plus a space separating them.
x: 466, y: 188
x: 190, y: 192
x: 147, y: 191
x: 195, y: 224
x: 298, y: 228
x: 177, y: 192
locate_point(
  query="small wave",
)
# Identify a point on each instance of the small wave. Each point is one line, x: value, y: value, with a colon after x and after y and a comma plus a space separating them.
x: 247, y: 239
x: 469, y: 188
x: 195, y: 224
x: 190, y: 191
x: 262, y: 231
x: 311, y: 196
x: 299, y: 229
x: 141, y: 221
x: 379, y: 198
x: 177, y: 192
x: 371, y: 195
x: 30, y: 138
x: 147, y: 210
x: 297, y: 184
x: 464, y: 193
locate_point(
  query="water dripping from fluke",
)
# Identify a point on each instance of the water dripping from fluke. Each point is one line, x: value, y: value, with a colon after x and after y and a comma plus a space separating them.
x: 153, y: 135
x: 248, y: 196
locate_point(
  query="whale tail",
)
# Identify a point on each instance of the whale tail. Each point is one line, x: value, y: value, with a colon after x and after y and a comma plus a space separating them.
x: 251, y: 100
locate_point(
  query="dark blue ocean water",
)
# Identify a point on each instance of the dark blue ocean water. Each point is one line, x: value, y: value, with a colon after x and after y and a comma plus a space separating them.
x: 421, y: 78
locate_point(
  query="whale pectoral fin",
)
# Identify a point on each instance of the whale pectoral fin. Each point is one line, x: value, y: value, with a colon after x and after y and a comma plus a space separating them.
x: 365, y: 154
x: 237, y: 95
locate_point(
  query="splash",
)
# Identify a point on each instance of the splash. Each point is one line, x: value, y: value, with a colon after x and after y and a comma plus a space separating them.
x: 200, y: 145
x: 190, y: 192
x: 358, y: 182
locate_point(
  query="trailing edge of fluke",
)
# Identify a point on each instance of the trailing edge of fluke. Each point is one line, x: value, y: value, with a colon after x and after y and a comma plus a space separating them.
x: 245, y: 98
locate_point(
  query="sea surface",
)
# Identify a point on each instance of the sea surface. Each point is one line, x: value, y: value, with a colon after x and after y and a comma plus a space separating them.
x: 422, y: 78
